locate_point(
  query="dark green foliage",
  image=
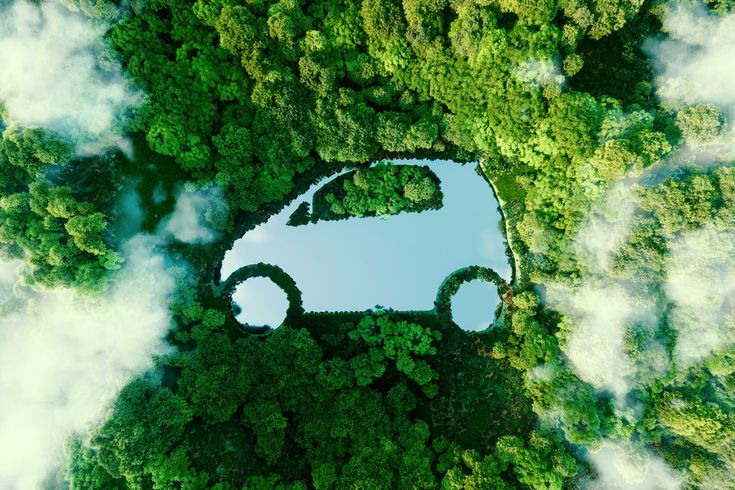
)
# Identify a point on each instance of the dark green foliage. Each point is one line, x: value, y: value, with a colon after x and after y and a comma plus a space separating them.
x: 278, y: 276
x: 62, y: 238
x: 542, y: 463
x: 301, y: 216
x: 253, y: 115
x: 399, y: 341
x: 450, y: 286
x: 479, y: 399
x: 55, y: 206
x: 467, y: 470
x: 302, y: 414
x: 263, y: 97
x: 382, y: 190
x: 147, y: 422
x: 84, y: 471
x: 34, y: 149
x: 615, y: 65
x: 215, y: 378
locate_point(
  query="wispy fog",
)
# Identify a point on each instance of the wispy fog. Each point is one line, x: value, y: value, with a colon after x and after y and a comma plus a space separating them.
x: 63, y: 358
x: 195, y: 211
x: 624, y: 467
x: 602, y: 305
x: 694, y: 66
x: 701, y: 285
x: 56, y: 72
x: 540, y: 73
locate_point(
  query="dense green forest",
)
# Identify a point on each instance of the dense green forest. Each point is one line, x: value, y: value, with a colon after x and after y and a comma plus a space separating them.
x: 382, y: 190
x: 556, y: 100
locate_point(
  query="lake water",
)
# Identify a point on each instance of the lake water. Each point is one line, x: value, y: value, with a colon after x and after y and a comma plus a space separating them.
x: 396, y: 262
x: 473, y: 307
x: 262, y: 302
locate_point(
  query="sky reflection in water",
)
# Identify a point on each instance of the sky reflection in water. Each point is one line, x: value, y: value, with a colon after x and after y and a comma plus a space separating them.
x: 398, y: 262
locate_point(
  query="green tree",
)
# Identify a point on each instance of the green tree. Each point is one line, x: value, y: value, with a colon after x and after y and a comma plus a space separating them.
x: 700, y: 124
x: 147, y: 421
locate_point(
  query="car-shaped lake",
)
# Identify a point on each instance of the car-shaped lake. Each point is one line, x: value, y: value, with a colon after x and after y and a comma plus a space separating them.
x: 396, y: 262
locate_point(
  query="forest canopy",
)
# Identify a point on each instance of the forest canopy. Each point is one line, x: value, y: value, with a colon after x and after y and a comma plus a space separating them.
x: 381, y: 190
x: 609, y: 150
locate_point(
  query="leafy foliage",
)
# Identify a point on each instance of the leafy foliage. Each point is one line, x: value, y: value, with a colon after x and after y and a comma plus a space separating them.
x: 382, y: 190
x: 263, y: 97
x: 59, y: 234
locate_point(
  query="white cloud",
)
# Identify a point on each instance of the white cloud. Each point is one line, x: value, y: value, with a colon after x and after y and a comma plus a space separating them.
x: 9, y: 272
x: 608, y: 228
x: 694, y: 65
x: 540, y: 73
x: 701, y: 283
x: 51, y: 76
x: 64, y: 358
x: 600, y: 315
x: 606, y: 303
x: 603, y: 305
x: 695, y: 61
x: 189, y: 221
x: 622, y: 467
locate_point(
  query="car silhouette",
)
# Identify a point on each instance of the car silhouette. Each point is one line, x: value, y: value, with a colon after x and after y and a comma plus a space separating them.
x: 399, y: 261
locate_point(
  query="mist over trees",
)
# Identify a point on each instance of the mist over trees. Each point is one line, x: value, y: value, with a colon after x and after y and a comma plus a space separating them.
x: 610, y: 153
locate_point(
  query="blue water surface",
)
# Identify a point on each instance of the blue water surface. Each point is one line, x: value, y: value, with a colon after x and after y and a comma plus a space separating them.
x: 396, y: 262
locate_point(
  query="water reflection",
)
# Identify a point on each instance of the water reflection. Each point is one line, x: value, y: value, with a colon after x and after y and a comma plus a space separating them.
x: 261, y: 302
x: 473, y: 307
x: 398, y: 262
